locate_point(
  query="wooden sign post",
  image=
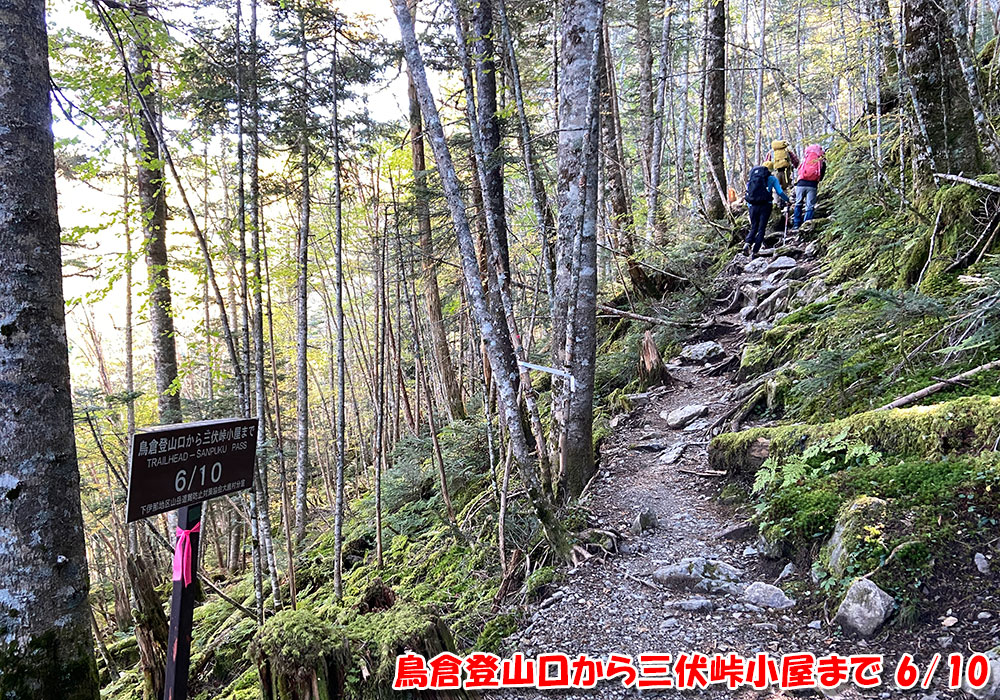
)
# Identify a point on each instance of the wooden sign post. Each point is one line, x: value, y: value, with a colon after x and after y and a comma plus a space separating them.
x: 181, y: 466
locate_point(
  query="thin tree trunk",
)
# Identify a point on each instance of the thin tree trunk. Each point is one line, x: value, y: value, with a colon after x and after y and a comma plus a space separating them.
x: 302, y: 301
x: 644, y: 48
x: 153, y: 205
x: 338, y: 527
x: 574, y: 321
x: 715, y: 108
x: 656, y: 164
x: 498, y: 344
x: 432, y: 296
x: 489, y: 125
x: 758, y: 124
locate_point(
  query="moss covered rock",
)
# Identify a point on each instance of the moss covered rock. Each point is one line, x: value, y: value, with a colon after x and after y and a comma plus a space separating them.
x: 965, y: 425
x: 858, y: 521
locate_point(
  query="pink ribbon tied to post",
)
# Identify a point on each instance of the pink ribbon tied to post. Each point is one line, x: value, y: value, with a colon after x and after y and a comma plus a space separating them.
x: 182, y: 554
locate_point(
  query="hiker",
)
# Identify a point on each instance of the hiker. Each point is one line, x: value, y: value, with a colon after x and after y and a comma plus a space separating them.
x: 811, y: 171
x: 784, y: 160
x: 761, y: 188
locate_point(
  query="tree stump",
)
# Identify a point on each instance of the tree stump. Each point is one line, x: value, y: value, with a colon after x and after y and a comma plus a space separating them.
x: 652, y: 371
x: 294, y: 650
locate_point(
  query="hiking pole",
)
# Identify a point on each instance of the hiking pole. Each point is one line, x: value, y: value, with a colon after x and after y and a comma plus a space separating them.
x: 784, y: 236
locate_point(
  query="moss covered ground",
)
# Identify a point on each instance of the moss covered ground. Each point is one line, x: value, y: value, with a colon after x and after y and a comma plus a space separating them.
x: 910, y: 298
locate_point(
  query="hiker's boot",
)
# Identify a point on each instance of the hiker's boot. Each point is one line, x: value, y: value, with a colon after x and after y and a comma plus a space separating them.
x: 746, y: 249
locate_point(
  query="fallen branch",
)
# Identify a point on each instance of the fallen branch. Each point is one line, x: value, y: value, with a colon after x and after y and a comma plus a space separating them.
x: 964, y: 260
x: 710, y: 472
x: 639, y: 317
x: 644, y: 582
x: 934, y: 388
x: 891, y: 556
x: 968, y: 181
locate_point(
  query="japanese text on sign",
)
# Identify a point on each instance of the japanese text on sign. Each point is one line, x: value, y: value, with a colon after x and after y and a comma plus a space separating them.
x: 683, y: 671
x: 178, y: 465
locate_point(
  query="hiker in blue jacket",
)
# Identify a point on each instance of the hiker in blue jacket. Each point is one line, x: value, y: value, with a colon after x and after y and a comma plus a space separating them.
x: 761, y: 187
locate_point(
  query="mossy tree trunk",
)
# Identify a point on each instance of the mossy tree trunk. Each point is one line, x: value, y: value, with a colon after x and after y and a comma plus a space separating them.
x: 46, y: 648
x: 937, y: 89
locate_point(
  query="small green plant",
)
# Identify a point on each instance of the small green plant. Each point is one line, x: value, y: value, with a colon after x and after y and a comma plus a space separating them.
x: 824, y: 456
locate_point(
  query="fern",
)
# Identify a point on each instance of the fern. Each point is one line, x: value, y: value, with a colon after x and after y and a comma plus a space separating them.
x: 820, y: 457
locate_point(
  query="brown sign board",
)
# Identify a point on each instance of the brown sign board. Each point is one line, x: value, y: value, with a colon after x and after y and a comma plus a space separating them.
x: 178, y: 465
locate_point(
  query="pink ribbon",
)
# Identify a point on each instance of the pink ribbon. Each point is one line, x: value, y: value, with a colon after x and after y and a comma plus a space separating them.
x: 182, y: 555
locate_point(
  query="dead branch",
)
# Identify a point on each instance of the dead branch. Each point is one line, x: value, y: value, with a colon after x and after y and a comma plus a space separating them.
x: 968, y: 181
x: 934, y: 388
x: 710, y: 472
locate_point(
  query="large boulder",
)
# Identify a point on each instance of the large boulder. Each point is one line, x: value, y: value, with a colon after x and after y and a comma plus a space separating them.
x: 774, y: 302
x: 864, y: 609
x: 764, y: 595
x: 702, y: 352
x: 683, y: 416
x: 853, y: 523
x: 701, y: 574
x: 782, y: 262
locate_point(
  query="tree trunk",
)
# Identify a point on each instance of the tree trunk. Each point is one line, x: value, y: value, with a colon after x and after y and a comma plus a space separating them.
x: 432, y: 296
x: 758, y: 122
x: 497, y: 343
x: 46, y: 648
x: 970, y: 73
x: 622, y: 221
x: 574, y: 317
x: 153, y: 203
x: 940, y: 100
x: 656, y: 162
x: 489, y: 124
x: 302, y: 305
x: 150, y: 620
x: 338, y: 527
x: 715, y: 108
x: 644, y: 47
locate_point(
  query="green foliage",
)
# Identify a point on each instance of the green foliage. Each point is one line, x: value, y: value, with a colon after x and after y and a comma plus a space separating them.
x: 965, y: 425
x: 494, y: 632
x: 823, y: 456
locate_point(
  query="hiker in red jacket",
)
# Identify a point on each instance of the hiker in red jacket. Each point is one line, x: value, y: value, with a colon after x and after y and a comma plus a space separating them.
x: 811, y: 171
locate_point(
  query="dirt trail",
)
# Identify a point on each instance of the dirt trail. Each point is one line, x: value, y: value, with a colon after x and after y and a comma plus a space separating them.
x: 610, y: 604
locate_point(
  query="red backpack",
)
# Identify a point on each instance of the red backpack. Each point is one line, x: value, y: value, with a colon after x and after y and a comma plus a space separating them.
x: 812, y: 164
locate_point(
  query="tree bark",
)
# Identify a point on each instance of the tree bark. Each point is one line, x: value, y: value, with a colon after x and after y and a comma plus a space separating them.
x: 341, y: 430
x: 940, y: 101
x: 656, y: 157
x: 644, y: 48
x: 489, y: 124
x: 46, y: 647
x: 153, y: 204
x: 574, y: 317
x: 970, y: 73
x: 302, y: 299
x: 715, y: 108
x: 432, y: 295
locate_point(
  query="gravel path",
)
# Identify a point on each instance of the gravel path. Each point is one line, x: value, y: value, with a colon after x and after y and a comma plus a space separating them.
x: 610, y: 604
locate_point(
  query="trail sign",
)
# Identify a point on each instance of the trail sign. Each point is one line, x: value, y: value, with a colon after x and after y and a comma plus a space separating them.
x: 179, y: 466
x: 172, y: 466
